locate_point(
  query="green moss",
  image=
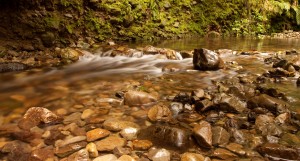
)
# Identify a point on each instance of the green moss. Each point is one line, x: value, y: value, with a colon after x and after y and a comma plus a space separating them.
x: 52, y: 21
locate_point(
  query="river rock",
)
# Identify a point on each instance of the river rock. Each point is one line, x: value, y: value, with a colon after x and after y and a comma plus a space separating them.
x: 220, y: 136
x: 119, y: 151
x: 42, y: 154
x: 12, y: 66
x: 52, y: 136
x: 224, y: 154
x: 107, y: 157
x: 118, y: 125
x: 129, y: 133
x: 236, y: 148
x: 160, y: 113
x: 141, y: 144
x: 81, y: 155
x: 96, y: 134
x: 73, y: 118
x: 183, y: 98
x: 138, y: 98
x: 166, y: 136
x: 109, y: 143
x: 176, y: 108
x: 92, y: 150
x: 192, y: 157
x: 278, y: 152
x: 274, y: 105
x: 204, y: 59
x: 36, y: 115
x: 69, y: 149
x: 17, y: 150
x: 70, y: 54
x: 283, y: 118
x: 203, y: 134
x: 87, y: 113
x: 126, y: 158
x: 69, y: 140
x: 159, y: 155
x: 229, y: 103
x: 267, y: 126
x: 291, y: 139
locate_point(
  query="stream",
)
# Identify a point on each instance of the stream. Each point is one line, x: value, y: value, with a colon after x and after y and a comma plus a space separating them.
x: 94, y: 81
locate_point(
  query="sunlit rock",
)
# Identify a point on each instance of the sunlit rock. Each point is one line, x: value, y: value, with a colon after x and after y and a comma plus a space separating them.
x: 204, y: 59
x: 36, y: 115
x: 138, y: 98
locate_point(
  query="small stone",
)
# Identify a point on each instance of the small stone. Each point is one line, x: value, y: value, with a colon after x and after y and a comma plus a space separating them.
x: 42, y: 154
x: 69, y: 140
x: 129, y: 133
x: 203, y: 134
x: 138, y: 98
x: 17, y: 150
x: 204, y: 59
x: 282, y: 118
x: 109, y: 143
x: 81, y: 155
x: 192, y: 157
x: 224, y: 154
x: 117, y: 125
x: 36, y: 115
x: 119, y: 151
x: 142, y: 144
x: 236, y: 148
x: 72, y: 118
x: 69, y: 149
x: 70, y: 54
x: 107, y: 157
x: 279, y: 152
x: 220, y: 136
x: 126, y: 158
x: 160, y: 113
x: 92, y: 149
x: 159, y: 155
x: 87, y: 113
x: 96, y: 134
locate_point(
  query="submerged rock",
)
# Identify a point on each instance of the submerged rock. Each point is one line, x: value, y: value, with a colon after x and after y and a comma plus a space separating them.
x: 204, y: 59
x: 203, y: 134
x: 36, y: 115
x: 164, y: 135
x: 278, y: 152
x: 17, y: 150
x: 138, y: 98
x: 274, y: 105
x: 159, y: 155
x: 160, y: 113
x: 12, y: 66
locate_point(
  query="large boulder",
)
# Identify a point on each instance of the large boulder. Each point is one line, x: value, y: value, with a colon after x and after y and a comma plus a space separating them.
x: 204, y: 59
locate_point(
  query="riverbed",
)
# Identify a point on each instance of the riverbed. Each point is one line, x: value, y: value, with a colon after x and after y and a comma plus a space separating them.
x: 95, y: 87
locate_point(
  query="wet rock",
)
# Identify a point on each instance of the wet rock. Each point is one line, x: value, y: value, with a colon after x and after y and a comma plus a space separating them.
x: 109, y: 143
x: 126, y: 158
x: 141, y: 144
x: 36, y: 115
x: 54, y: 135
x: 17, y: 150
x: 119, y: 151
x: 165, y: 135
x: 224, y: 154
x: 159, y: 155
x: 281, y: 63
x: 138, y: 98
x: 69, y: 140
x: 42, y: 154
x: 298, y: 82
x: 192, y: 157
x: 87, y: 113
x: 276, y: 106
x: 290, y: 139
x: 107, y: 157
x: 92, y: 150
x: 279, y: 72
x: 203, y: 134
x: 81, y: 155
x: 228, y: 103
x: 69, y: 149
x: 238, y: 136
x: 220, y: 136
x: 69, y: 54
x: 117, y: 125
x: 160, y: 113
x: 129, y: 133
x: 278, y: 152
x: 272, y: 139
x: 176, y: 108
x: 204, y: 105
x: 204, y: 59
x: 189, y: 117
x: 96, y: 134
x: 283, y: 118
x: 183, y: 98
x: 12, y: 66
x: 73, y: 118
x: 198, y: 93
x: 236, y: 148
x: 266, y: 125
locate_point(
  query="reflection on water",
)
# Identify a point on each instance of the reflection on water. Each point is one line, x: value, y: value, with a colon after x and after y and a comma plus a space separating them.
x: 238, y: 44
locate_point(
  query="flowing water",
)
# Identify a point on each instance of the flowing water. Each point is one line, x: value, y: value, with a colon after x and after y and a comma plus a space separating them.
x: 95, y: 75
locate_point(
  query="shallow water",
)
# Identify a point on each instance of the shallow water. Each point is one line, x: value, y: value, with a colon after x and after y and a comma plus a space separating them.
x: 105, y: 75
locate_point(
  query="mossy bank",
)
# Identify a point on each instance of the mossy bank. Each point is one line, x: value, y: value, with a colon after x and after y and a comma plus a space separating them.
x: 48, y: 23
